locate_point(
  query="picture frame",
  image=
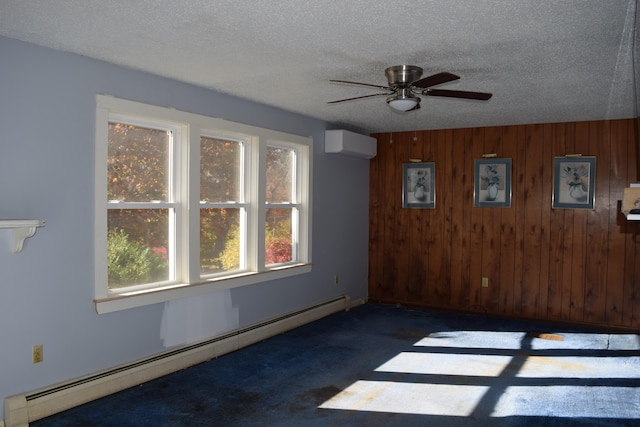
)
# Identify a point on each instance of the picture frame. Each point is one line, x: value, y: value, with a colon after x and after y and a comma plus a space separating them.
x: 492, y: 183
x: 419, y: 185
x: 574, y: 181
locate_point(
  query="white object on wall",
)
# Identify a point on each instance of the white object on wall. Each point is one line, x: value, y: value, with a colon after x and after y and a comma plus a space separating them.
x: 628, y: 202
x: 21, y: 229
x: 350, y: 144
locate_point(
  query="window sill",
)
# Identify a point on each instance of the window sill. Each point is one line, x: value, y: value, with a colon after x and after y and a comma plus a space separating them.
x: 123, y: 301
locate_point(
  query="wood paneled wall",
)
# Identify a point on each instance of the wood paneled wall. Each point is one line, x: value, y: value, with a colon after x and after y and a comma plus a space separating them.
x: 571, y: 265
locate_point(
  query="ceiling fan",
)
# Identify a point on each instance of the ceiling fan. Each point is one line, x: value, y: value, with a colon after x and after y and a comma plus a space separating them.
x: 406, y: 84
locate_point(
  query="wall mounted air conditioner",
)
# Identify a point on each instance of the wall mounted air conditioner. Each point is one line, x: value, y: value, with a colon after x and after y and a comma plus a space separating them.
x: 349, y: 143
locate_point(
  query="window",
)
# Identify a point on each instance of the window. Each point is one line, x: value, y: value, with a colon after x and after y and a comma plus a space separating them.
x: 223, y: 212
x: 141, y: 209
x: 184, y: 200
x: 281, y: 205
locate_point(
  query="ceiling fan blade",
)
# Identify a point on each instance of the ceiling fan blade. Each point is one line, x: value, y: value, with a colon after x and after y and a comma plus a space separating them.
x: 482, y: 96
x: 345, y: 82
x: 358, y: 97
x: 436, y: 79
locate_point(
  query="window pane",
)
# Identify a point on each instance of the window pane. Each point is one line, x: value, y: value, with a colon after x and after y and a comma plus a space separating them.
x: 221, y: 242
x: 137, y: 163
x: 220, y: 167
x: 138, y: 242
x: 279, y: 175
x: 279, y: 246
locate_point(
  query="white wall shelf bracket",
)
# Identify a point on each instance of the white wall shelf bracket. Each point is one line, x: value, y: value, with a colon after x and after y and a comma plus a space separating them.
x: 21, y: 229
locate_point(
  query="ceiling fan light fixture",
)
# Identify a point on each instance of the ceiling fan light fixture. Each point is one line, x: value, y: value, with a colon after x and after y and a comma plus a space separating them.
x: 403, y: 104
x: 403, y: 101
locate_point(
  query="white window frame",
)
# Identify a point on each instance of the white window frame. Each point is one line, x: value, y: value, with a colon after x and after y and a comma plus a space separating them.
x: 243, y: 204
x: 299, y: 201
x: 191, y: 127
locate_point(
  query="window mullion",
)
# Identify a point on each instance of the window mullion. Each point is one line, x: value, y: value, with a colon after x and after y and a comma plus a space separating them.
x: 304, y: 168
x: 259, y: 205
x: 101, y: 286
x: 191, y: 199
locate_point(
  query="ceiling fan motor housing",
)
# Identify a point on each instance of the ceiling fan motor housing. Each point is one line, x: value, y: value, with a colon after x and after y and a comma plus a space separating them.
x: 402, y: 75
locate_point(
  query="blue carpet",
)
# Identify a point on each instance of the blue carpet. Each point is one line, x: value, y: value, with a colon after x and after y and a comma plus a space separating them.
x: 379, y: 365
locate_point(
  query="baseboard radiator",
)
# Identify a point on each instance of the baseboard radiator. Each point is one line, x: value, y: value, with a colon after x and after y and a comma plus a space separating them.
x: 22, y: 409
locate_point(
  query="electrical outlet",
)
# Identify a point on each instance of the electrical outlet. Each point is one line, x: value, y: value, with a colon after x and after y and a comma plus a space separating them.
x: 485, y: 282
x: 336, y: 279
x: 37, y: 353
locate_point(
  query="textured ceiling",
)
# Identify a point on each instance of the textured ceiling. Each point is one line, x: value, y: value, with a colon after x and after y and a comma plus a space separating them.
x: 544, y: 60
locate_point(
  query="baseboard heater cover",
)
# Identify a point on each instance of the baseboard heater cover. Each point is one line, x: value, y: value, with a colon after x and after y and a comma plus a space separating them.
x: 22, y: 409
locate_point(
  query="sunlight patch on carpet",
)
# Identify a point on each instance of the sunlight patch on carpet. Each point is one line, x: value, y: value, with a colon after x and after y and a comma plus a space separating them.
x: 408, y: 398
x: 516, y: 373
x: 473, y: 339
x: 538, y: 341
x: 446, y: 364
x: 580, y: 367
x: 569, y: 402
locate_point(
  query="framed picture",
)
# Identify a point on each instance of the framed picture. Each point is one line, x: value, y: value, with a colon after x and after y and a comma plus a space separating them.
x: 418, y: 185
x: 492, y: 183
x: 574, y: 181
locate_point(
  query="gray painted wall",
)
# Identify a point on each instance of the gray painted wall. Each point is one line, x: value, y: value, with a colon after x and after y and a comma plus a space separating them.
x: 47, y: 120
